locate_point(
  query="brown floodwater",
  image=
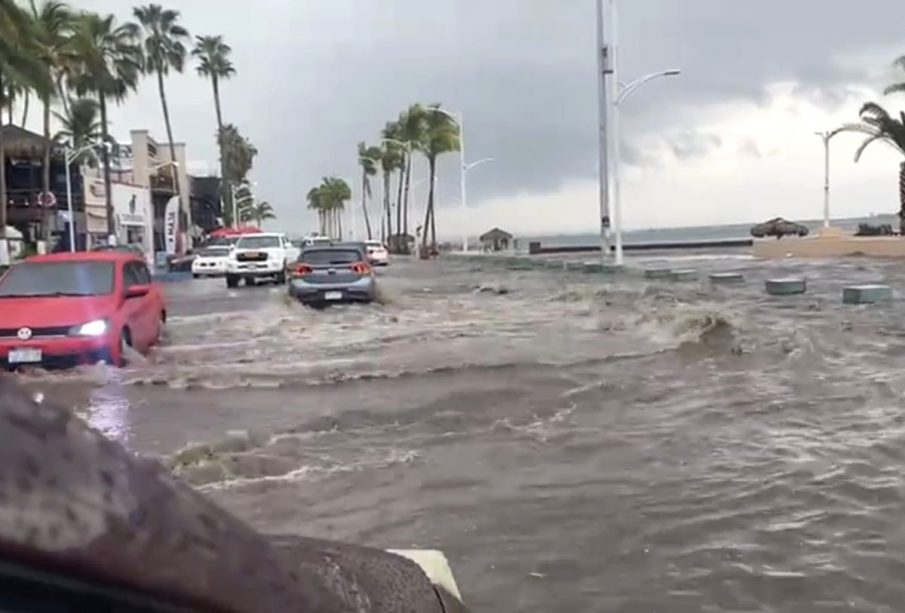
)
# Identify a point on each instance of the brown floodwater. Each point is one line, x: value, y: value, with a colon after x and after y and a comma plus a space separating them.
x: 573, y: 442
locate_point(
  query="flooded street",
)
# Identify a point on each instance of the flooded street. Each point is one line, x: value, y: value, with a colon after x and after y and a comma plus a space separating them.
x: 572, y: 442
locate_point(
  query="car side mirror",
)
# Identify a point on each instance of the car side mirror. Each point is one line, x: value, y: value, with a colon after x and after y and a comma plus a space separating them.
x: 137, y: 291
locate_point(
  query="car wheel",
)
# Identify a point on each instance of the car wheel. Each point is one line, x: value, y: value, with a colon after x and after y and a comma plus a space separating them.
x: 250, y: 282
x: 125, y: 345
x: 196, y: 276
x: 232, y: 281
x: 281, y: 278
x: 161, y: 326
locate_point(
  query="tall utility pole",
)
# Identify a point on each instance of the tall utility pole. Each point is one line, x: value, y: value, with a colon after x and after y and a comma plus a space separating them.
x: 605, y: 91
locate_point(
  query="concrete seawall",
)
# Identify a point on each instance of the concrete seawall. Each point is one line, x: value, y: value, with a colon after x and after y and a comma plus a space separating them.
x: 536, y: 248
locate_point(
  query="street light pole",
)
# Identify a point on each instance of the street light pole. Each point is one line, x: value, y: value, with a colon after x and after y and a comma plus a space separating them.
x: 605, y: 76
x: 826, y: 137
x: 624, y: 92
x: 68, y: 160
x: 68, y: 157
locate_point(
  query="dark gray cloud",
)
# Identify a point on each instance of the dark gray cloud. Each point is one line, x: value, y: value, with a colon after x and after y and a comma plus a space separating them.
x: 318, y: 76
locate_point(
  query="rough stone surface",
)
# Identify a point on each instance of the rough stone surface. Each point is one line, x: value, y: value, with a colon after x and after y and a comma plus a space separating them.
x: 786, y: 287
x: 866, y: 294
x: 70, y: 498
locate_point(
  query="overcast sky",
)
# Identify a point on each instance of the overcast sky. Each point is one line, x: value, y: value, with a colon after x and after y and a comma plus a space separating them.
x: 731, y: 140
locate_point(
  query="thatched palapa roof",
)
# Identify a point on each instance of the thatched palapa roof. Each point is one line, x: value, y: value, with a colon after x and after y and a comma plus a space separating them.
x: 18, y: 142
x: 495, y: 234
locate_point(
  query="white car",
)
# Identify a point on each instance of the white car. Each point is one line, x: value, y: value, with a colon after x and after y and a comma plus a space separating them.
x: 257, y: 256
x: 377, y: 253
x: 316, y: 241
x: 210, y: 261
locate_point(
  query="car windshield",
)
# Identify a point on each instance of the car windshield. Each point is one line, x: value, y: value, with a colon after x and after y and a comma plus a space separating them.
x: 58, y: 279
x: 258, y: 242
x: 327, y: 257
x: 375, y: 244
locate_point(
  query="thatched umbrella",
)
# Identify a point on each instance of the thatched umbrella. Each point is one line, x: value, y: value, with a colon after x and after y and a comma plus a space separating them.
x: 779, y: 227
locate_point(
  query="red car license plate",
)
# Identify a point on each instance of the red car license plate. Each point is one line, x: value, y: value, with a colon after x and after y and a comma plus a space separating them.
x: 25, y: 356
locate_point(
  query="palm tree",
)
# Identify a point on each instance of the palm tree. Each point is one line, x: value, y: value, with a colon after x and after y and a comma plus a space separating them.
x: 80, y: 126
x: 164, y: 48
x: 367, y: 159
x: 52, y: 27
x: 335, y: 192
x: 387, y: 166
x: 18, y: 64
x: 214, y: 63
x: 108, y: 63
x: 880, y: 126
x: 258, y: 212
x: 412, y: 125
x: 316, y: 202
x: 441, y: 136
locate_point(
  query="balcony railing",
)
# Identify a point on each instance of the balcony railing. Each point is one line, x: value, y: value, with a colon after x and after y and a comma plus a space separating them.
x: 28, y: 198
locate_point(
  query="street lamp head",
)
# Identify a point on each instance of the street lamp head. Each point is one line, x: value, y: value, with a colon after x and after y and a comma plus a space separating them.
x: 672, y: 73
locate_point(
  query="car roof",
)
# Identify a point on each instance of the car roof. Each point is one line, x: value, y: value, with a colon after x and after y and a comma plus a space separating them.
x: 88, y: 256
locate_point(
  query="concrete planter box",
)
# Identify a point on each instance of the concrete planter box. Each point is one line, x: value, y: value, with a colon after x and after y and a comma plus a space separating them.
x: 786, y: 287
x: 684, y: 275
x: 727, y: 278
x: 658, y: 273
x: 866, y: 294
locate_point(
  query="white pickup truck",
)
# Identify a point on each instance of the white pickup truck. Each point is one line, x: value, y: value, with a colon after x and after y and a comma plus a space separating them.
x: 260, y: 255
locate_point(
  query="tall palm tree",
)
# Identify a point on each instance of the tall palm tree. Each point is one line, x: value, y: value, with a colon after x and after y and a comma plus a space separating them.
x: 390, y: 159
x: 53, y: 23
x: 164, y: 49
x: 392, y: 132
x: 412, y: 126
x: 214, y: 63
x: 335, y: 192
x: 107, y: 63
x: 880, y: 126
x: 441, y: 136
x: 18, y: 64
x: 316, y: 202
x: 368, y: 157
x: 80, y: 126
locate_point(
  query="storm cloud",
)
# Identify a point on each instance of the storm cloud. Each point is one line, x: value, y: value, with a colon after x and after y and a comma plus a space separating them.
x: 318, y: 76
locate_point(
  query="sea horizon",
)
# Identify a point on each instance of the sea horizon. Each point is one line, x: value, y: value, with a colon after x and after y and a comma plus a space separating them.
x: 695, y: 233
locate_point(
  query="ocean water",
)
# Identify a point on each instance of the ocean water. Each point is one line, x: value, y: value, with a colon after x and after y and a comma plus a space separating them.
x: 697, y: 233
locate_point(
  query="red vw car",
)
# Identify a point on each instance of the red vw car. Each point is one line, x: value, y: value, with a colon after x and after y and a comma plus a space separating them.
x: 65, y: 309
